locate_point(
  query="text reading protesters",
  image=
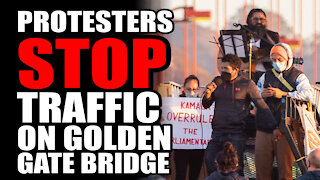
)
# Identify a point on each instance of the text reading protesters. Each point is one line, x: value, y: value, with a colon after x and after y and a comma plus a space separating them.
x: 108, y: 132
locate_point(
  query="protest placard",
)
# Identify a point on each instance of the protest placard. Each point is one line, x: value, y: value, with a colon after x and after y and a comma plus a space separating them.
x: 191, y: 123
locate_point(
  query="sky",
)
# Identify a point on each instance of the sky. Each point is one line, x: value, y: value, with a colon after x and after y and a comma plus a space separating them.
x: 286, y: 11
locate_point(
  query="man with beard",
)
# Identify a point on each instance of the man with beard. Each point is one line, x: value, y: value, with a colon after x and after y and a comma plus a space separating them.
x: 262, y: 42
x: 232, y: 98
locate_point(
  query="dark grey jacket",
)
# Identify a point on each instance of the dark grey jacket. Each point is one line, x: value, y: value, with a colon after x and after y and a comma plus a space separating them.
x: 232, y: 100
x: 310, y: 175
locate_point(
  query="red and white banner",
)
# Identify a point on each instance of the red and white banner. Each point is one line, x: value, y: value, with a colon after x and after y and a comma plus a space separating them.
x: 191, y: 123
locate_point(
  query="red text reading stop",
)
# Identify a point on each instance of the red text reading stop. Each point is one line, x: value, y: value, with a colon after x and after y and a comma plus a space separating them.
x: 141, y: 62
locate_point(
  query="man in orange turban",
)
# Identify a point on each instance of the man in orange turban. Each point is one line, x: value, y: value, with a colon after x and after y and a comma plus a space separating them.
x: 282, y: 80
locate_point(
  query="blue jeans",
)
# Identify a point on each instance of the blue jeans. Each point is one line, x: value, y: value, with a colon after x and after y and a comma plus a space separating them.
x: 216, y: 145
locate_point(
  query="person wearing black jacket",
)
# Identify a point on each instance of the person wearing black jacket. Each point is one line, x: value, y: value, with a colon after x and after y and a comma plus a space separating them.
x: 313, y: 163
x: 262, y: 41
x: 232, y: 99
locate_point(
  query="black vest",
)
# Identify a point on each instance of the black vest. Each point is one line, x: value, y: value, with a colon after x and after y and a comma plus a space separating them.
x: 290, y: 76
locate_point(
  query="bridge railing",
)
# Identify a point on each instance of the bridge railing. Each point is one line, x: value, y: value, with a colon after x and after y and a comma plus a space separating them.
x: 292, y: 126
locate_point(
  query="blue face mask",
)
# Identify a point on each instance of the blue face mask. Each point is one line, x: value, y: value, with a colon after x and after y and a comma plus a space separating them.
x: 279, y: 66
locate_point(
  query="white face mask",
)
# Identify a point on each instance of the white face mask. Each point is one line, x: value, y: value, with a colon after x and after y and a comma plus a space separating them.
x: 279, y: 66
x: 191, y: 94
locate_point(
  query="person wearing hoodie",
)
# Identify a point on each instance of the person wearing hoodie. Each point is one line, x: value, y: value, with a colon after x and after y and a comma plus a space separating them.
x: 282, y: 80
x: 232, y: 97
x: 227, y: 163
